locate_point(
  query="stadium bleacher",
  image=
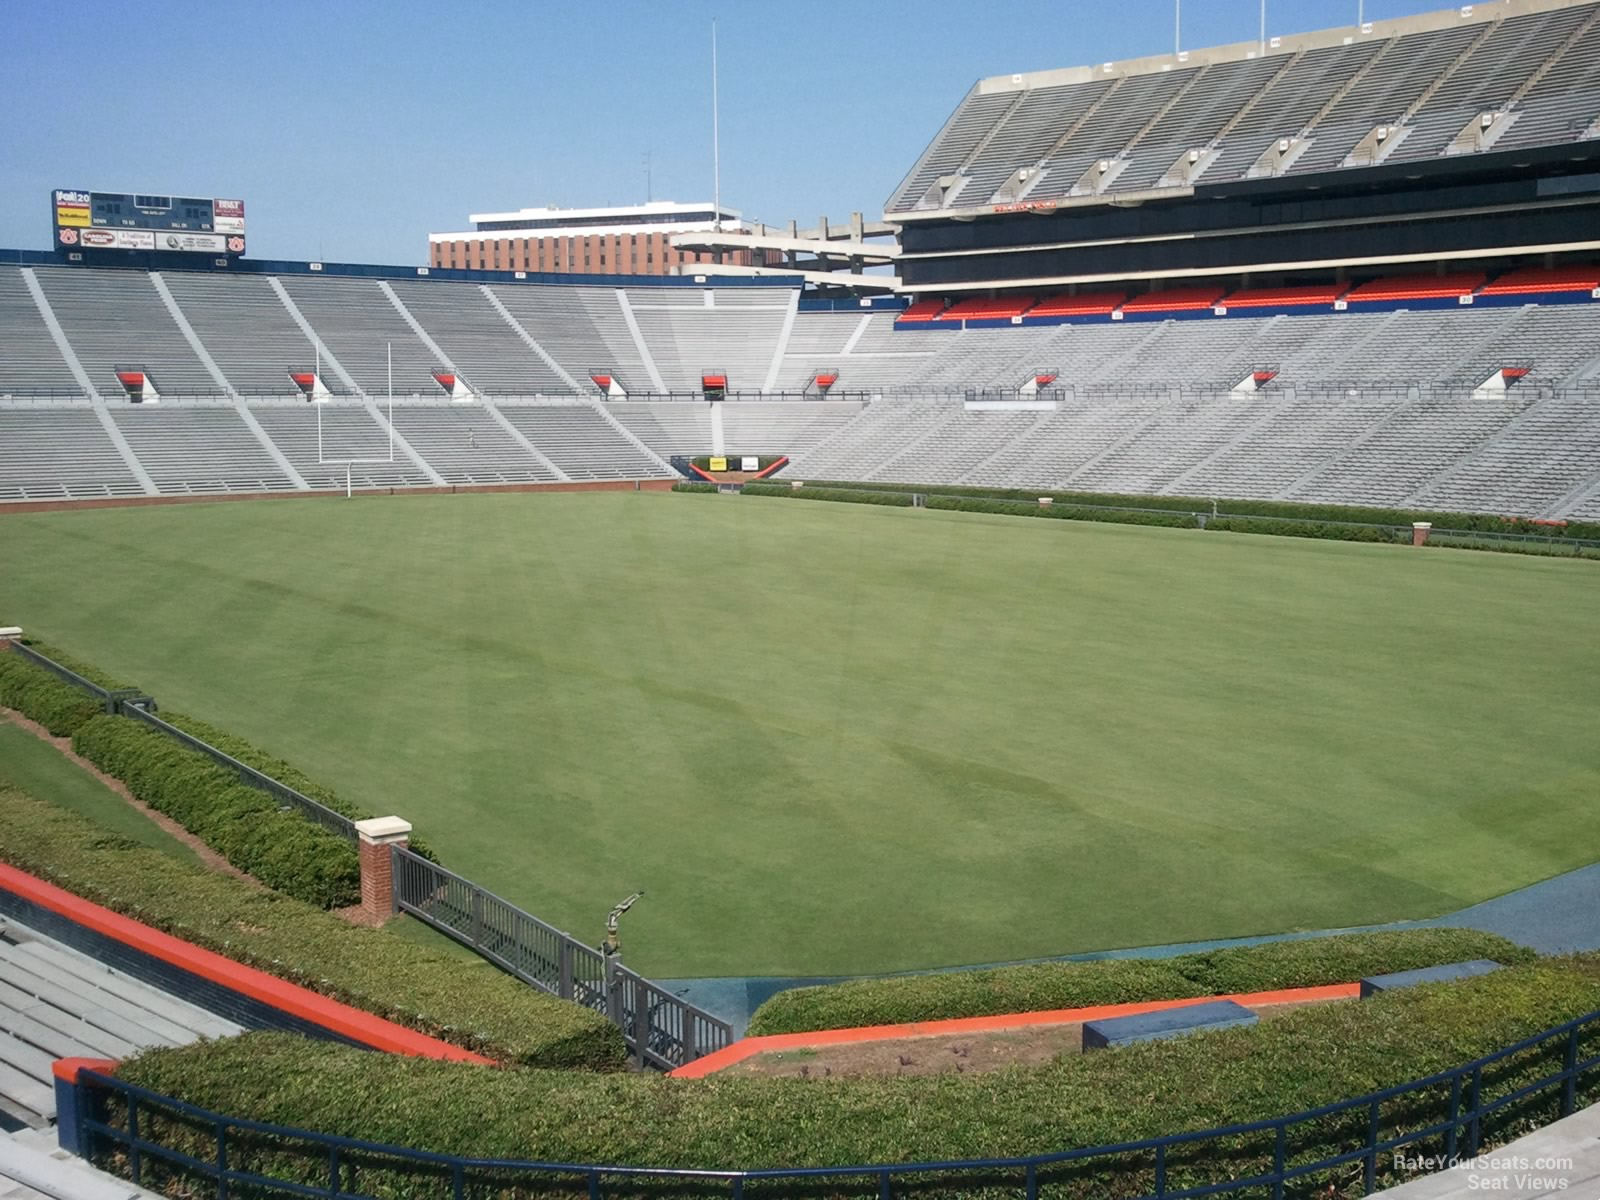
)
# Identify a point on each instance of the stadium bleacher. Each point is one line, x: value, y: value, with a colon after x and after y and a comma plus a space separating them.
x: 1395, y: 399
x: 1427, y: 83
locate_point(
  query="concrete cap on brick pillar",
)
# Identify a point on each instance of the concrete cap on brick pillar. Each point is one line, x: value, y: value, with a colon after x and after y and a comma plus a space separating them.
x: 382, y: 830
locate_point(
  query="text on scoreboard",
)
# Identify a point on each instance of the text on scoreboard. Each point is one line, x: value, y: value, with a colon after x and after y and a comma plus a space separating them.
x: 133, y: 221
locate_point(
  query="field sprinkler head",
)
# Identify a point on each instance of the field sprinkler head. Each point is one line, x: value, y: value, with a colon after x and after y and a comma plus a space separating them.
x: 612, y: 946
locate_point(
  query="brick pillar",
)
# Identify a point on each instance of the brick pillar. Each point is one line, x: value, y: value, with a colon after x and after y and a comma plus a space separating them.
x: 376, y: 836
x: 9, y: 634
x: 1419, y: 532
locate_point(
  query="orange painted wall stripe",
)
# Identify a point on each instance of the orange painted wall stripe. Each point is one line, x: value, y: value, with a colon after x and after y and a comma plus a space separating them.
x: 749, y: 1047
x: 286, y: 997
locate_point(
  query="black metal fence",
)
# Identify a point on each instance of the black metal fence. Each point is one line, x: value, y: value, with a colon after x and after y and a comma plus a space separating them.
x: 1344, y: 1148
x: 661, y: 1029
x: 311, y: 810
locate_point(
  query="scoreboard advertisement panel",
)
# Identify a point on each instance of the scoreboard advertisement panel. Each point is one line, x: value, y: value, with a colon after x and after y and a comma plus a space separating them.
x: 134, y: 221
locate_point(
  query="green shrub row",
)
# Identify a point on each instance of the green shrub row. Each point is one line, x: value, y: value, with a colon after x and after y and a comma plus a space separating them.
x: 1250, y: 508
x: 690, y: 485
x: 1328, y: 530
x: 842, y: 495
x: 424, y: 988
x: 285, y: 773
x: 1039, y: 987
x: 244, y: 824
x: 42, y: 697
x: 1296, y: 1061
x: 1540, y: 549
x: 1065, y: 512
x: 62, y: 709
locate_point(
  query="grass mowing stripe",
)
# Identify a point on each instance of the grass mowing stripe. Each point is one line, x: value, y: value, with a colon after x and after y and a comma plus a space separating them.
x: 829, y: 739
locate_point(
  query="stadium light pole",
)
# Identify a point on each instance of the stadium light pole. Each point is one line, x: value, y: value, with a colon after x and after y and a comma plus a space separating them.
x: 1263, y: 24
x: 1177, y: 27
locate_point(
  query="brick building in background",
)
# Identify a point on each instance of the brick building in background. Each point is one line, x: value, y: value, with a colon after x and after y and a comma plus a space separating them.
x: 632, y: 240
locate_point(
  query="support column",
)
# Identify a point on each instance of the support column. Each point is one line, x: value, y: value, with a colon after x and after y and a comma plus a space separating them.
x: 1419, y: 532
x: 377, y: 835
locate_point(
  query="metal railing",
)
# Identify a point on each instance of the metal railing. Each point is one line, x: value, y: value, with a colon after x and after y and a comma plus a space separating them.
x: 660, y: 1029
x: 312, y: 810
x: 65, y: 674
x: 1448, y: 1117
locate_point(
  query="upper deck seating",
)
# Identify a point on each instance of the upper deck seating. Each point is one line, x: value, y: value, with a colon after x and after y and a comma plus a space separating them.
x: 1416, y: 287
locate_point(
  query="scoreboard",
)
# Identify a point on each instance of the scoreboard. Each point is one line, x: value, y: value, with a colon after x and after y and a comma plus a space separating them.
x: 119, y: 221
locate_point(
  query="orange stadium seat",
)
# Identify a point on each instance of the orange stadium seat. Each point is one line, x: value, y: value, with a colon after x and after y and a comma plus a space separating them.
x: 1181, y: 299
x: 1284, y: 297
x: 1546, y: 279
x: 1084, y: 304
x: 1418, y: 287
x: 921, y: 310
x: 988, y: 308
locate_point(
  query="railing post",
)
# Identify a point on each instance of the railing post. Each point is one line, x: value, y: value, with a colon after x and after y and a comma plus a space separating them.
x: 477, y: 916
x: 1569, y: 1092
x: 135, y: 1167
x: 222, y: 1160
x: 1279, y: 1147
x: 1370, y: 1174
x: 564, y: 970
x: 76, y: 1102
x: 690, y: 1041
x: 1475, y: 1126
x: 1452, y: 1135
x: 641, y: 1020
x: 1161, y: 1169
x: 613, y: 986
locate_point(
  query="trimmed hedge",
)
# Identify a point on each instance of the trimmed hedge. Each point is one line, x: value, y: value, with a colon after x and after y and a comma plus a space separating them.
x: 242, y: 823
x: 1039, y: 987
x: 1064, y: 512
x: 841, y: 495
x: 1251, y: 508
x: 689, y: 485
x: 88, y: 670
x: 1297, y: 1061
x: 423, y: 988
x: 1538, y: 549
x: 42, y: 697
x: 285, y: 773
x: 1327, y: 530
x: 63, y: 709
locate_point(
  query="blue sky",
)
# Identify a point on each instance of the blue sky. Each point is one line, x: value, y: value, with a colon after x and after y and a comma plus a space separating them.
x: 353, y: 128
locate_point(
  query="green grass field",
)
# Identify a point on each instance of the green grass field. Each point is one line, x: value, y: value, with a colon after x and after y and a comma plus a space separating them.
x: 833, y: 739
x: 38, y: 768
